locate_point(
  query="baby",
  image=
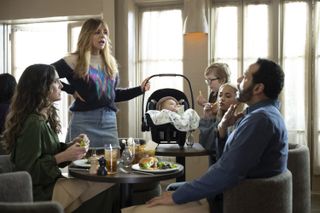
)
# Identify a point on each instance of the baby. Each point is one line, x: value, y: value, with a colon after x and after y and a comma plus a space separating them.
x: 169, y: 103
x: 169, y: 110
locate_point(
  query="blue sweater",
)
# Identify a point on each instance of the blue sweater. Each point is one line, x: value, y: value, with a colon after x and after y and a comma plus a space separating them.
x: 257, y: 148
x: 98, y: 90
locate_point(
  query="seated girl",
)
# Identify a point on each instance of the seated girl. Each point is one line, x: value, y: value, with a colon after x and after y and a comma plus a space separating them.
x: 170, y: 111
x: 208, y: 137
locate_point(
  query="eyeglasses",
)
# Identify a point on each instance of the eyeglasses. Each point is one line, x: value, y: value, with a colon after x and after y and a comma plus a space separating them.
x: 208, y: 81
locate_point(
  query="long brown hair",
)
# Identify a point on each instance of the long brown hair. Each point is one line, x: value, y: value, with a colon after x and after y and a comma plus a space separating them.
x: 84, y: 46
x: 31, y: 96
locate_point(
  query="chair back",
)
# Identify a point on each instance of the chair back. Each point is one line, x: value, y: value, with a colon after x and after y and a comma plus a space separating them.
x: 263, y: 195
x: 5, y: 164
x: 16, y: 195
x: 299, y: 165
x: 16, y: 187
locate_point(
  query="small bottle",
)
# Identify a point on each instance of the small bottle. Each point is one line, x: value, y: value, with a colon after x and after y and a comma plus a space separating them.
x: 94, y: 163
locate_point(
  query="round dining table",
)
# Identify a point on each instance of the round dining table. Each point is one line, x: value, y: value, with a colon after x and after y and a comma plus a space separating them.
x: 127, y: 179
x: 174, y: 150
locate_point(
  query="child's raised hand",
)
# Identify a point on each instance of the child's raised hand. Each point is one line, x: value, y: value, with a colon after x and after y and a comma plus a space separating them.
x: 201, y: 100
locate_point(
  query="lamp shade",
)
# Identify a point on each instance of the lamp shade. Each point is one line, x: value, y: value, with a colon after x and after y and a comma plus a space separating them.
x: 195, y: 18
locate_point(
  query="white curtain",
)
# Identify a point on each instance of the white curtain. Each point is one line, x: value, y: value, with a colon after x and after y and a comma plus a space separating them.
x: 286, y: 31
x: 316, y: 144
x: 160, y: 49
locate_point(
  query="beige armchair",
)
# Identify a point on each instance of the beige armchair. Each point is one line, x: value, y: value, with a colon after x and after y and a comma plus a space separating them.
x: 263, y: 195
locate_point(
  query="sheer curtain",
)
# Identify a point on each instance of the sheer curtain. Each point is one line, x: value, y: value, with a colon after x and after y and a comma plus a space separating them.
x: 289, y: 32
x: 316, y: 137
x: 294, y: 65
x: 160, y: 49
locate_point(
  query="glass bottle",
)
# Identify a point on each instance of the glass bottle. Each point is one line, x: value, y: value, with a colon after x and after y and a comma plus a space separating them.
x: 94, y: 163
x: 127, y: 158
x: 189, y: 139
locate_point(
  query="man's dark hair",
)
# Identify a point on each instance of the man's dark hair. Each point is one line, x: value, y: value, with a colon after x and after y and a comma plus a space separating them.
x: 271, y: 76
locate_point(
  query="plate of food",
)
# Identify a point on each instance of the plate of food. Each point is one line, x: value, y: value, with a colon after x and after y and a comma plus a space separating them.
x: 82, y: 163
x: 153, y: 165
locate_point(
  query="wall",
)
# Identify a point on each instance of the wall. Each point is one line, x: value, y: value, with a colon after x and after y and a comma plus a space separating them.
x: 195, y: 60
x: 15, y: 11
x: 125, y: 54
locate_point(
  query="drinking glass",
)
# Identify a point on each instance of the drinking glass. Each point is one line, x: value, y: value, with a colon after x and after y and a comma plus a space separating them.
x: 111, y: 154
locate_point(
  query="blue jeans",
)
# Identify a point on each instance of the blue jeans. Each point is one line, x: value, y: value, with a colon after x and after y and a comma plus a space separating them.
x: 100, y: 125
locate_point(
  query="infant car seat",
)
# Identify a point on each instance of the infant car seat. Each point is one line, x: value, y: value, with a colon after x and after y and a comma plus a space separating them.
x: 165, y: 133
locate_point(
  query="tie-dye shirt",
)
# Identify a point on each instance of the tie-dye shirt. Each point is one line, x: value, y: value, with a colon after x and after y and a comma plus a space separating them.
x: 98, y: 89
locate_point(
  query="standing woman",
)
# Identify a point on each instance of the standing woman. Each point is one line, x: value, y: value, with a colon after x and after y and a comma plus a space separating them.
x: 215, y: 75
x: 92, y: 73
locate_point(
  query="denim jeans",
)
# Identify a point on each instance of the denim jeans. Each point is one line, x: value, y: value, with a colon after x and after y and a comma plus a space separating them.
x: 100, y: 125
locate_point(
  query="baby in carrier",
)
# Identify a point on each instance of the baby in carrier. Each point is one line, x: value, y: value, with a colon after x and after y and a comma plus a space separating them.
x: 169, y: 110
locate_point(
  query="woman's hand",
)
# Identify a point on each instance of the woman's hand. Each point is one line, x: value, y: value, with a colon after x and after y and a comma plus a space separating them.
x: 73, y: 152
x: 164, y: 199
x: 228, y: 119
x: 76, y: 151
x: 210, y: 110
x: 145, y: 85
x: 83, y: 141
x: 77, y: 96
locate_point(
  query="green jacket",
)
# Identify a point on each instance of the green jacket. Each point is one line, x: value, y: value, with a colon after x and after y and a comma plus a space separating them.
x: 34, y: 152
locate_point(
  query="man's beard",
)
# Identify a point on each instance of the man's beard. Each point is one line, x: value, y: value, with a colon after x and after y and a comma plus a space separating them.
x: 246, y: 94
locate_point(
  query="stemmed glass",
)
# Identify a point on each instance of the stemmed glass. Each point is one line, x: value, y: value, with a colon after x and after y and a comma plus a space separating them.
x: 189, y: 139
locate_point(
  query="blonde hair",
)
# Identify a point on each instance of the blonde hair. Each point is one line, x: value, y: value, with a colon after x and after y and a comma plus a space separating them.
x: 84, y: 46
x: 220, y: 70
x: 241, y: 106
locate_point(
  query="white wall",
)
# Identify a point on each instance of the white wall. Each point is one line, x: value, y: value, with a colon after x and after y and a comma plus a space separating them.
x: 12, y: 11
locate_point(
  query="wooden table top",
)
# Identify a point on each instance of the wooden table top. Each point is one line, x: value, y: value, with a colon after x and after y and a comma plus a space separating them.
x: 174, y: 150
x: 121, y: 177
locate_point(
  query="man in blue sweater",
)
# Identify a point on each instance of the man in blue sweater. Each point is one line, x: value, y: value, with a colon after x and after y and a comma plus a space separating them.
x: 257, y: 148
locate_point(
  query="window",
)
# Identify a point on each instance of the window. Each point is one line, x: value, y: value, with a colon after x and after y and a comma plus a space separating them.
x: 42, y: 43
x: 160, y: 48
x: 283, y: 31
x: 238, y: 43
x: 294, y: 65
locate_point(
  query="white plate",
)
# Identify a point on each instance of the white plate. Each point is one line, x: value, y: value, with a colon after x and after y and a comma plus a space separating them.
x: 137, y: 167
x: 82, y: 163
